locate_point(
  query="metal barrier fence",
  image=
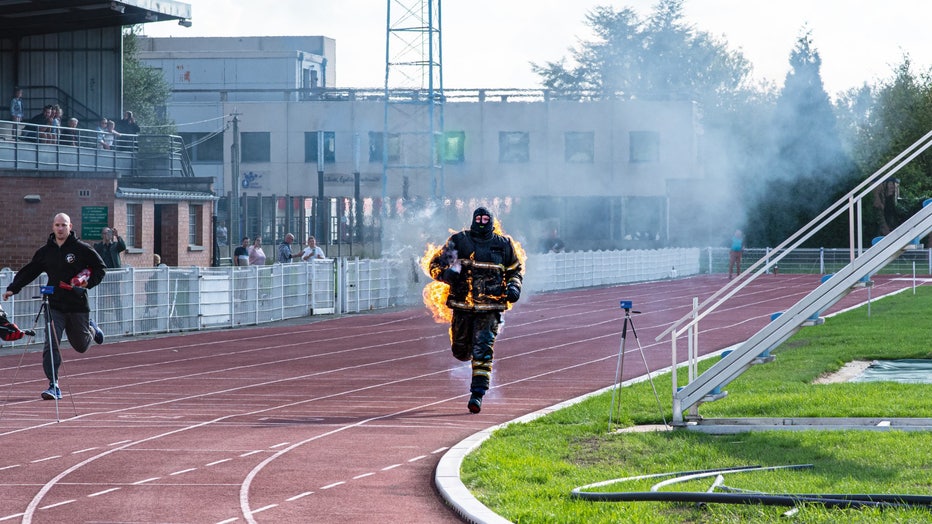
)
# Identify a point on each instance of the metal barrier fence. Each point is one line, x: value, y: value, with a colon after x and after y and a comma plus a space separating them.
x: 138, y: 301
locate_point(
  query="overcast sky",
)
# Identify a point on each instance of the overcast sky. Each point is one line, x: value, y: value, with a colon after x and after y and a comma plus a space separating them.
x: 490, y: 43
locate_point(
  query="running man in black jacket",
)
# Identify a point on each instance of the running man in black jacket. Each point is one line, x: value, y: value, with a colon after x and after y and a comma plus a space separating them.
x: 64, y: 259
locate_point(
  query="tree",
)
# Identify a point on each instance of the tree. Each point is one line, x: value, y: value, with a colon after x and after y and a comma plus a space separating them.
x: 145, y: 91
x: 807, y: 168
x: 657, y: 58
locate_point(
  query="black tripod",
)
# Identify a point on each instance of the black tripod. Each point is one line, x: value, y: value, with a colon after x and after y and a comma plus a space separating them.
x: 619, y: 371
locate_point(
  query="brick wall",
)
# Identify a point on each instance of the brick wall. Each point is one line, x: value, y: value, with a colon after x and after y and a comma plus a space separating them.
x: 26, y: 225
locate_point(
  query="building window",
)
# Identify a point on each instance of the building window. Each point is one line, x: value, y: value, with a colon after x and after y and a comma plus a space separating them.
x: 133, y: 234
x: 195, y: 223
x: 579, y: 147
x: 257, y: 147
x: 513, y: 147
x: 645, y: 146
x: 310, y: 147
x: 204, y: 148
x: 453, y: 148
x: 377, y: 147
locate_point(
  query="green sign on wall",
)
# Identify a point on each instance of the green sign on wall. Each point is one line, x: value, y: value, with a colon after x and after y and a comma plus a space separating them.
x: 93, y: 219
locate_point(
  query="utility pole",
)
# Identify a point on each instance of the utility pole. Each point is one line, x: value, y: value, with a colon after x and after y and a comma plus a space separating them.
x: 236, y: 231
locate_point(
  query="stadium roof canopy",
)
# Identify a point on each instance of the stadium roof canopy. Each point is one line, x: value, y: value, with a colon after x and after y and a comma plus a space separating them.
x: 19, y: 18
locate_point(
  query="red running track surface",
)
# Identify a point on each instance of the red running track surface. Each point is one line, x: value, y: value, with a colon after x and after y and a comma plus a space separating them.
x: 336, y: 420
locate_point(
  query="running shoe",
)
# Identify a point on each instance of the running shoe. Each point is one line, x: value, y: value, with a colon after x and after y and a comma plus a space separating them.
x: 52, y: 393
x: 98, y: 334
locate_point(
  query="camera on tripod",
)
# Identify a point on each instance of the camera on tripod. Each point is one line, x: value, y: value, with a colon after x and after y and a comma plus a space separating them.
x: 626, y: 304
x: 47, y: 290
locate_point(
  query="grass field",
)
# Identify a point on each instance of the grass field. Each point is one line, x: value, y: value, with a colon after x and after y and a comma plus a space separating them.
x: 526, y: 472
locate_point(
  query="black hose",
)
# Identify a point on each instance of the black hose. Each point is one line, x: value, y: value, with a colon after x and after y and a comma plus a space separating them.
x: 828, y: 500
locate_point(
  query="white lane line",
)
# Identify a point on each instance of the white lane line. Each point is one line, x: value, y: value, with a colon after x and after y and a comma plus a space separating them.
x: 44, y: 459
x: 439, y: 450
x: 328, y: 486
x: 138, y: 482
x: 10, y: 467
x: 82, y: 451
x: 393, y: 466
x: 364, y: 475
x: 13, y: 516
x: 214, y: 463
x: 104, y: 492
x: 182, y: 471
x: 415, y: 459
x: 62, y: 503
x: 120, y: 442
x: 299, y: 496
x: 228, y: 521
x: 251, y: 453
x: 263, y: 508
x: 279, y: 445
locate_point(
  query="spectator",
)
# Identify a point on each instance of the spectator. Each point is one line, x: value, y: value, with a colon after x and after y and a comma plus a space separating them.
x: 69, y: 133
x: 241, y: 253
x: 16, y: 111
x: 104, y: 138
x: 222, y: 235
x: 312, y: 250
x: 115, y: 137
x: 285, y: 255
x: 256, y: 255
x: 128, y: 126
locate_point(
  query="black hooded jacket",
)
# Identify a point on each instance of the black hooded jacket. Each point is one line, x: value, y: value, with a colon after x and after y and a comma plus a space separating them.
x: 61, y: 264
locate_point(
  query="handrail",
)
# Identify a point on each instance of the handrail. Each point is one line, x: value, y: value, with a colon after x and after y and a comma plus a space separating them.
x: 843, y: 203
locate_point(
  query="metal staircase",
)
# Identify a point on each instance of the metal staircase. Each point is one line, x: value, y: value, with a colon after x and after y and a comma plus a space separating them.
x: 756, y: 350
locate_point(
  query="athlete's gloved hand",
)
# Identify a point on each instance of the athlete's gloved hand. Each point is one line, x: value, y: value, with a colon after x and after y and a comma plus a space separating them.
x: 450, y: 276
x: 512, y: 293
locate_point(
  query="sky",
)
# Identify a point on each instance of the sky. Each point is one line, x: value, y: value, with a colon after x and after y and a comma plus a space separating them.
x: 491, y: 43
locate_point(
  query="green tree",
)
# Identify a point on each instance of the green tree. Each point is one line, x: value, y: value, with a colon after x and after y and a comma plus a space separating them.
x: 881, y: 122
x: 807, y: 168
x: 145, y: 91
x: 656, y: 58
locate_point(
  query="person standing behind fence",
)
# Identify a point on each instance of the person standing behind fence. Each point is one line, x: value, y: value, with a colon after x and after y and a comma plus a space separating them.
x: 16, y: 111
x: 241, y: 253
x: 109, y: 249
x: 735, y: 252
x: 285, y: 255
x: 312, y: 250
x: 256, y: 255
x: 63, y: 259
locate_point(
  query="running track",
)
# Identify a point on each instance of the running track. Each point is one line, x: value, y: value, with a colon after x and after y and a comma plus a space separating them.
x: 337, y: 420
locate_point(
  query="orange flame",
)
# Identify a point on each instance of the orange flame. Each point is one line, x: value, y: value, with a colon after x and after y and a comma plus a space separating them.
x: 435, y: 293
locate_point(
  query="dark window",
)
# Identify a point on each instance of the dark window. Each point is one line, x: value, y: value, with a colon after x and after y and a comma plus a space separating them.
x: 377, y: 146
x: 310, y: 147
x: 579, y: 147
x: 645, y: 146
x: 204, y: 147
x: 513, y: 147
x: 132, y: 236
x: 256, y: 147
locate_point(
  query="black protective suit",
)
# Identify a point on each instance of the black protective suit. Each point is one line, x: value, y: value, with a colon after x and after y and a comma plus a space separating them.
x: 484, y: 275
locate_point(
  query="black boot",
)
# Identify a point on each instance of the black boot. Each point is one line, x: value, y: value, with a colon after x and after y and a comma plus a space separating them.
x: 475, y: 403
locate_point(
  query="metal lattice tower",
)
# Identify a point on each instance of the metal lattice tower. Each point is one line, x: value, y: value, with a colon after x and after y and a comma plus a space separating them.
x: 413, y: 130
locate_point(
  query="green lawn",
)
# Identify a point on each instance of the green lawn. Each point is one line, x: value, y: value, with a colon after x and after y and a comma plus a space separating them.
x: 525, y: 472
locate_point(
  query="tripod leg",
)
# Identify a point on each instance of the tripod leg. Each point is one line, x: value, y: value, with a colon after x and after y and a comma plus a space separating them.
x: 649, y: 375
x: 619, y: 372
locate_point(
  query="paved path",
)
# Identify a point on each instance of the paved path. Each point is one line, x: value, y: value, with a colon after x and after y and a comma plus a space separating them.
x: 340, y: 420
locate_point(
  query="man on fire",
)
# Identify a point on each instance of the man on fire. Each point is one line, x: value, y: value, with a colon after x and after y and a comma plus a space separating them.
x: 484, y: 274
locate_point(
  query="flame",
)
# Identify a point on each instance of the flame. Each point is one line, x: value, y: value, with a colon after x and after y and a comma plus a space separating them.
x: 435, y: 293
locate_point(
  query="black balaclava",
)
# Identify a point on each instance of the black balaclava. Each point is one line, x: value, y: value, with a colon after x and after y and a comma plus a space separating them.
x: 478, y: 229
